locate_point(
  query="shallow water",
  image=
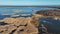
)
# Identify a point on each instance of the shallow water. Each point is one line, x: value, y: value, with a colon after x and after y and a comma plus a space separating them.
x: 51, y: 24
x: 3, y: 24
x: 28, y: 10
x: 2, y: 17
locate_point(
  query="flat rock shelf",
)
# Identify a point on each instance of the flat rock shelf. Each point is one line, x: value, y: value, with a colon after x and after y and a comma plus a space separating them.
x: 19, y: 26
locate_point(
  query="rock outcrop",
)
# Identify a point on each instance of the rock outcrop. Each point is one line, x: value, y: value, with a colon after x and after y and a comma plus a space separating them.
x: 49, y: 12
x: 19, y: 26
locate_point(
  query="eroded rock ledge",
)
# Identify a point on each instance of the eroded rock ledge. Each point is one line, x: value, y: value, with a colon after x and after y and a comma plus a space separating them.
x: 20, y: 26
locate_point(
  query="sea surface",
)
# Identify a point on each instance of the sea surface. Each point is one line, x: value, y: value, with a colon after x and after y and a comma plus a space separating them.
x: 27, y: 10
x: 20, y: 10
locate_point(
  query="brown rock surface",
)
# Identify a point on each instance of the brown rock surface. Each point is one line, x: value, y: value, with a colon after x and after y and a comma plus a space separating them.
x: 19, y: 26
x: 34, y: 20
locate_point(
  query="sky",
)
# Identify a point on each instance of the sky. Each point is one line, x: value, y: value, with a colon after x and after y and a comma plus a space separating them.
x: 29, y: 2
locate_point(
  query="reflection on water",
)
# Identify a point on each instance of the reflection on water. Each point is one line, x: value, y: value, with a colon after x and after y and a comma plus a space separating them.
x: 51, y: 24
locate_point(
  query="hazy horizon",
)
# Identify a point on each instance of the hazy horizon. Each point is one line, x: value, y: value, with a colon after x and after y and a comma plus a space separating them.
x: 29, y: 2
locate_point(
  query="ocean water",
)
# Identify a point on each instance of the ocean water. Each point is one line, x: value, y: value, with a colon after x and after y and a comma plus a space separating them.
x: 17, y: 10
x: 27, y: 10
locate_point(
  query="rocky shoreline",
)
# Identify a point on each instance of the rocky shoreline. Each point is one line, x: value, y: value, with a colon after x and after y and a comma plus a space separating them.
x: 20, y: 25
x: 29, y: 25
